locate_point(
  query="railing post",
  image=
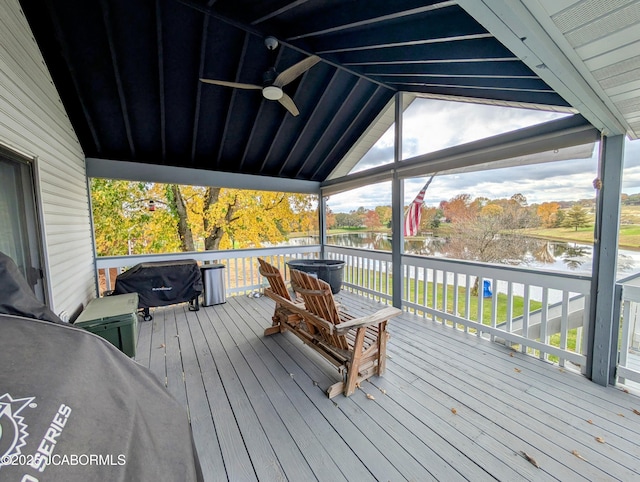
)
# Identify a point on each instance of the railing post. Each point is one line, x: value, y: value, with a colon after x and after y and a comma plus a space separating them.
x: 603, y: 333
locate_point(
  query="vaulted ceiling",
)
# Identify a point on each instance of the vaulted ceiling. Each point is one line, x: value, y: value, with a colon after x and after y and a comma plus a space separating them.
x: 128, y: 74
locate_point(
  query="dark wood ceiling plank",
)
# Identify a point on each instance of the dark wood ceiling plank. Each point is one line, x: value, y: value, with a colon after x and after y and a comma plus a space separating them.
x: 502, y: 69
x: 256, y: 125
x: 106, y: 17
x: 225, y: 132
x: 332, y: 154
x: 71, y: 68
x: 344, y: 106
x: 431, y: 27
x: 309, y: 124
x: 203, y: 54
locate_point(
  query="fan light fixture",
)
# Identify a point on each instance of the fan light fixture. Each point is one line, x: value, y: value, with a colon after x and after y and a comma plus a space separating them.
x: 272, y: 92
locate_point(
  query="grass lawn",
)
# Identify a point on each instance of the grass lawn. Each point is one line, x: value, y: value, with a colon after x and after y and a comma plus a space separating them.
x: 628, y: 235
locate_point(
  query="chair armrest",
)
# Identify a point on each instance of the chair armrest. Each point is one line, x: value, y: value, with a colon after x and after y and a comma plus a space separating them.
x: 378, y: 317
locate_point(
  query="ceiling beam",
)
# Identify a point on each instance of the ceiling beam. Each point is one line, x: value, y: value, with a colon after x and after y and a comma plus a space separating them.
x: 163, y: 110
x: 556, y: 134
x: 203, y: 55
x: 106, y: 20
x: 484, y: 49
x: 138, y: 171
x: 515, y: 68
x: 350, y: 15
x: 286, y: 6
x: 511, y: 22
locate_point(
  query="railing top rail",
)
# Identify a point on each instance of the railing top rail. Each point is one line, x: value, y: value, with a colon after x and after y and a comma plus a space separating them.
x: 577, y: 283
x: 117, y: 261
x: 371, y: 253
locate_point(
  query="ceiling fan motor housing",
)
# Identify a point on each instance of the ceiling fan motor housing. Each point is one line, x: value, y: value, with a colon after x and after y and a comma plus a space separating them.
x: 270, y: 91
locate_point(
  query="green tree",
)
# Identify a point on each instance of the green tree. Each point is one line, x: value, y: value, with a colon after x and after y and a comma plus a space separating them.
x: 576, y: 217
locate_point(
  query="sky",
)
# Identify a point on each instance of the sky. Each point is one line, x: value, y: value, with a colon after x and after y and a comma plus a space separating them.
x: 431, y: 125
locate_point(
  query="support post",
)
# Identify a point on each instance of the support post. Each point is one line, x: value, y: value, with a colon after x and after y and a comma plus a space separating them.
x: 397, y: 201
x: 603, y: 330
x: 322, y: 223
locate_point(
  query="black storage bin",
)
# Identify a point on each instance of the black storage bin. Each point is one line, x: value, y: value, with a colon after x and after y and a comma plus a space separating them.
x: 329, y: 270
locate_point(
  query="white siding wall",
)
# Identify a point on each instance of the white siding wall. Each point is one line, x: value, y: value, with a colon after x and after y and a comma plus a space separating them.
x: 34, y: 123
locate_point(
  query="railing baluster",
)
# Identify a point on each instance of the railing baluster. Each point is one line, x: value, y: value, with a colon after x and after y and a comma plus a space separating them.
x: 564, y: 324
x: 467, y: 301
x: 544, y: 338
x: 509, y: 321
x: 525, y: 315
x: 480, y: 313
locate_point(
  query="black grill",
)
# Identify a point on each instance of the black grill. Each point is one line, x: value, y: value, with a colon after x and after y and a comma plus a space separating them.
x: 162, y: 283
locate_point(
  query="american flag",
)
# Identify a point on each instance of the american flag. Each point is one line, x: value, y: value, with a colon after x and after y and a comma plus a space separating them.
x: 414, y: 212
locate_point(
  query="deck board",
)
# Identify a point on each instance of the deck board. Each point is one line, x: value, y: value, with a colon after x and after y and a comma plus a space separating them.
x: 258, y: 408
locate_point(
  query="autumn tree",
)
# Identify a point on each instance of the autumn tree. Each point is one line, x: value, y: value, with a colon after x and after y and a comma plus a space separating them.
x: 458, y: 208
x: 384, y: 214
x: 123, y: 222
x: 372, y: 220
x: 489, y: 235
x: 187, y: 218
x: 430, y: 218
x: 576, y: 217
x: 548, y: 213
x: 330, y: 218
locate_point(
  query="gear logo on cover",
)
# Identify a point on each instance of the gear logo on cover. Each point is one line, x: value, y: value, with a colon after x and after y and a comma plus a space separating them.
x: 13, y: 430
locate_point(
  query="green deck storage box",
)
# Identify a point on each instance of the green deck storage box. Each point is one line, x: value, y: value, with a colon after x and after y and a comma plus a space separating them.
x: 115, y: 319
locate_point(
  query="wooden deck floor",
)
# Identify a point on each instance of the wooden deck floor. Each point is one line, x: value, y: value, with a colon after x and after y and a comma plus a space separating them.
x: 450, y: 407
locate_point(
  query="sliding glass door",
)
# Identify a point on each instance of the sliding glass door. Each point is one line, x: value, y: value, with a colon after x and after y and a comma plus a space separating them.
x: 19, y: 226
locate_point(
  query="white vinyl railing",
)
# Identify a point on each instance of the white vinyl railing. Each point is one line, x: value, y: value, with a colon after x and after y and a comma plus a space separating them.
x: 241, y: 273
x: 628, y: 370
x: 536, y: 312
x: 553, y: 327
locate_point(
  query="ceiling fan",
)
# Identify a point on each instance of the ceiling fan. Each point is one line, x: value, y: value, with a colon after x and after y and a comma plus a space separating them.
x: 273, y: 81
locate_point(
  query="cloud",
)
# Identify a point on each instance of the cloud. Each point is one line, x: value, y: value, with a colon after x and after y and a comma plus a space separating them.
x: 433, y: 125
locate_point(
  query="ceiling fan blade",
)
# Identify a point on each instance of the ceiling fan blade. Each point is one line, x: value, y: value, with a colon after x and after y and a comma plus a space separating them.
x: 232, y: 84
x: 288, y: 104
x: 295, y: 71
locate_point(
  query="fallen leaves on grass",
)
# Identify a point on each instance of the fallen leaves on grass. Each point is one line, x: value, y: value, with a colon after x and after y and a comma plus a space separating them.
x: 531, y: 460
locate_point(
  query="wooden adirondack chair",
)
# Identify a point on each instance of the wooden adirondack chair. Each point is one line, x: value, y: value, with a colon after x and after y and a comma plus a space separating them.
x: 281, y: 315
x: 356, y: 346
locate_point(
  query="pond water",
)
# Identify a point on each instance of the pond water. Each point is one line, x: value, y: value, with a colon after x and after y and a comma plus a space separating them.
x: 536, y: 253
